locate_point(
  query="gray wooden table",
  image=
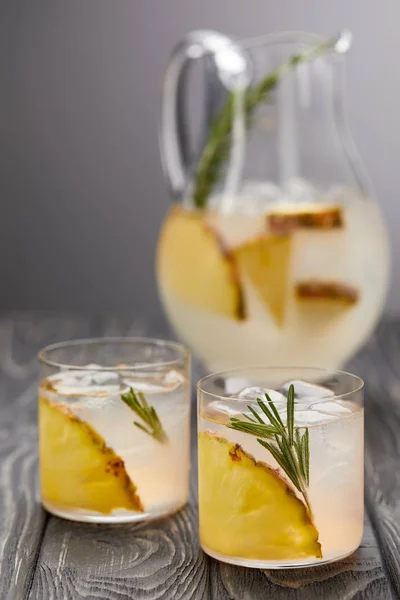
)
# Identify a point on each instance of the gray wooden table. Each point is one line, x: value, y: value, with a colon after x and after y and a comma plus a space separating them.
x: 43, y: 557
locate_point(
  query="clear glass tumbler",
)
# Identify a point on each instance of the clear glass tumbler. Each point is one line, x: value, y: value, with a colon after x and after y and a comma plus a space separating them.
x: 280, y: 466
x: 114, y: 429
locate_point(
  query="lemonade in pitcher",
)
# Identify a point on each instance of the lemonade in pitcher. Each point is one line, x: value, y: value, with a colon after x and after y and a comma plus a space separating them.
x: 275, y: 252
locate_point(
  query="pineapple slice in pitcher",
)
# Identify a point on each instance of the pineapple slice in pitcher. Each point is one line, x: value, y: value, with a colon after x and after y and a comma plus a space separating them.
x: 321, y: 302
x: 324, y: 273
x: 286, y: 218
x: 265, y: 262
x: 193, y: 265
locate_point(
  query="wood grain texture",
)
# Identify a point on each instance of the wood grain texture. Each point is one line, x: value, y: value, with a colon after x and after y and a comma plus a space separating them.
x: 47, y: 558
x: 158, y: 560
x: 22, y: 519
x: 380, y: 367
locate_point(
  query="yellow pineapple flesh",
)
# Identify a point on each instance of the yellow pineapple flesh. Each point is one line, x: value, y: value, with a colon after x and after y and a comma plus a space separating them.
x: 266, y: 262
x: 193, y: 265
x: 247, y: 509
x: 77, y: 469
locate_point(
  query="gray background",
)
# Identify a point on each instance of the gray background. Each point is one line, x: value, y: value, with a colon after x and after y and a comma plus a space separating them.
x: 81, y: 189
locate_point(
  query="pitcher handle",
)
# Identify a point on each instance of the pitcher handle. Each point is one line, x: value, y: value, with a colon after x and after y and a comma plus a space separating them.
x: 233, y: 69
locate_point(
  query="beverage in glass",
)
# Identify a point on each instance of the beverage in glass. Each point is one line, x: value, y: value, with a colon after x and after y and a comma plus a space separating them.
x: 280, y: 466
x: 114, y: 429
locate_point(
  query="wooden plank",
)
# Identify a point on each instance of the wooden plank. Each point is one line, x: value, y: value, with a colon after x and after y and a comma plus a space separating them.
x: 382, y: 374
x: 155, y: 560
x: 22, y: 518
x: 23, y: 521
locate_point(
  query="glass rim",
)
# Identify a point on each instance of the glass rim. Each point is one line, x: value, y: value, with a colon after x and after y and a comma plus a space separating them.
x: 341, y: 41
x: 185, y: 353
x: 275, y: 369
x: 293, y: 36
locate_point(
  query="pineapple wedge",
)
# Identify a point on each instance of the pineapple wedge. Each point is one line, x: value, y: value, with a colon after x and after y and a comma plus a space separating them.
x: 247, y: 510
x: 321, y: 302
x: 192, y: 263
x: 266, y: 261
x: 313, y: 216
x: 78, y: 470
x: 315, y: 290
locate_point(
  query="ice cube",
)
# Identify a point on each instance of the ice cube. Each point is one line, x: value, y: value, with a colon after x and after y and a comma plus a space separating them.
x: 101, y: 377
x: 255, y: 393
x: 145, y: 387
x: 257, y: 197
x: 173, y: 378
x: 301, y: 410
x: 83, y: 383
x: 301, y: 191
x: 252, y: 394
x: 332, y: 408
x: 307, y: 391
x: 309, y: 417
x: 232, y: 384
x: 222, y: 411
x: 153, y: 382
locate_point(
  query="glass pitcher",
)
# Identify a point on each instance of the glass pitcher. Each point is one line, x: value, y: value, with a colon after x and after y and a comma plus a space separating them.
x: 274, y: 251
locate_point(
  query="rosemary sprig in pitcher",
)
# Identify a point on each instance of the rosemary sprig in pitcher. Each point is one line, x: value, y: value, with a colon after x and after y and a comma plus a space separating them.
x: 216, y: 149
x: 289, y: 448
x: 151, y: 422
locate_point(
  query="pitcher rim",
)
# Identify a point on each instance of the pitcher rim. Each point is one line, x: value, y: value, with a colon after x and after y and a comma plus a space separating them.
x: 342, y: 44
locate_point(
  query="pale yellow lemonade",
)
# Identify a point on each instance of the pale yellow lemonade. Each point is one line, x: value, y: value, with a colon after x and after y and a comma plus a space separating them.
x: 251, y: 513
x: 274, y: 284
x: 95, y: 463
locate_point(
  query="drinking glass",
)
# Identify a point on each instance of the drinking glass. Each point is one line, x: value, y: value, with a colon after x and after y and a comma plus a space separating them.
x: 280, y: 466
x: 114, y: 429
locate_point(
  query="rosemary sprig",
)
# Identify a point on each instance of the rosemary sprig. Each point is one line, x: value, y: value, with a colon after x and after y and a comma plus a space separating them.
x: 138, y: 403
x: 216, y: 149
x: 287, y: 445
